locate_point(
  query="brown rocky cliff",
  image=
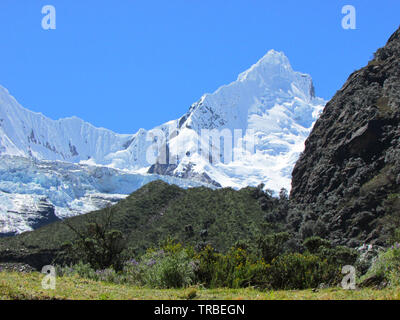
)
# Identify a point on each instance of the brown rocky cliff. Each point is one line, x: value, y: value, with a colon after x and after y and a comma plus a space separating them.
x: 347, y: 181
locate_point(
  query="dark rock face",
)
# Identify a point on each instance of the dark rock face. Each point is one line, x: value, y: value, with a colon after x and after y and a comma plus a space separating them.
x: 35, y: 260
x: 347, y: 181
x: 44, y: 214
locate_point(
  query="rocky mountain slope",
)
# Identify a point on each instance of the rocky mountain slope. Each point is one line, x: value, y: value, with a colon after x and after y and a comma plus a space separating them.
x: 346, y: 184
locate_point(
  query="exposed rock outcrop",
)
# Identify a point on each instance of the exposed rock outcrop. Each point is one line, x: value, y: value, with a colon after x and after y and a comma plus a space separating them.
x: 346, y: 184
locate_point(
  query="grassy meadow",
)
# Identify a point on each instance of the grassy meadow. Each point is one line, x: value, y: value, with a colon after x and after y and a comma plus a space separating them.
x: 23, y: 286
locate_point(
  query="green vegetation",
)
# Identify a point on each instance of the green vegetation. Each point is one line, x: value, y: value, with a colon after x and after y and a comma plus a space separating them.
x: 196, y: 217
x: 391, y: 222
x: 386, y: 268
x: 221, y: 239
x: 175, y: 266
x: 97, y: 243
x: 176, y: 272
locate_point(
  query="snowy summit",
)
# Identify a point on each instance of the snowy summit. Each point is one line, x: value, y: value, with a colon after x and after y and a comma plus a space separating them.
x: 265, y: 116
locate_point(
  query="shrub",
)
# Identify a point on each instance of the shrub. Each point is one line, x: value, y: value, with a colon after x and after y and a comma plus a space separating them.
x: 132, y: 272
x: 206, y: 260
x: 176, y: 266
x: 230, y: 269
x: 190, y: 294
x: 236, y: 269
x: 387, y: 266
x: 339, y: 255
x: 97, y: 244
x: 86, y: 271
x: 173, y: 271
x: 169, y: 267
x: 335, y: 255
x: 108, y: 275
x: 307, y: 229
x: 314, y: 244
x: 300, y: 271
x: 394, y: 237
x: 273, y: 245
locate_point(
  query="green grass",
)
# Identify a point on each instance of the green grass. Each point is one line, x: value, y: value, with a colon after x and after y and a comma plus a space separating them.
x: 28, y: 286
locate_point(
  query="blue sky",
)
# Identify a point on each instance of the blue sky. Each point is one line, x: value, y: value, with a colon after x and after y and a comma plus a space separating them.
x: 126, y: 64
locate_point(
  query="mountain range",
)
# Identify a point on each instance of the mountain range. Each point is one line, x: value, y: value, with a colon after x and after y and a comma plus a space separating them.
x: 345, y: 186
x: 52, y: 169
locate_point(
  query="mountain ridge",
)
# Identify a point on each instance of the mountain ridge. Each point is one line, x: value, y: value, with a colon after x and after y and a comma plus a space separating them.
x: 346, y: 184
x: 268, y: 82
x: 262, y: 118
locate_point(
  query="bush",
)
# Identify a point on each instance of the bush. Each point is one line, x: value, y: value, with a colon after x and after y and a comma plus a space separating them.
x: 236, y: 269
x: 314, y: 244
x: 395, y: 236
x: 206, y: 260
x: 387, y: 266
x: 301, y: 271
x: 321, y: 263
x: 85, y: 271
x: 174, y: 270
x: 273, y: 245
x: 81, y: 269
x: 339, y: 255
x: 335, y: 255
x: 169, y: 267
x: 174, y: 266
x: 97, y: 244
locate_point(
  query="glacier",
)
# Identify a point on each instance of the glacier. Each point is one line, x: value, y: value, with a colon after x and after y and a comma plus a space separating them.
x: 52, y: 169
x: 36, y: 192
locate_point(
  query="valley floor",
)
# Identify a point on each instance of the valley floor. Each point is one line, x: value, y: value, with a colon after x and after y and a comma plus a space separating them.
x: 27, y: 286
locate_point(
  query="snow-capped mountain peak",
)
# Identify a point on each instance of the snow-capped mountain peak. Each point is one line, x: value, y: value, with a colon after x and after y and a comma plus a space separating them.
x: 257, y: 126
x: 275, y: 72
x: 271, y: 63
x: 271, y: 104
